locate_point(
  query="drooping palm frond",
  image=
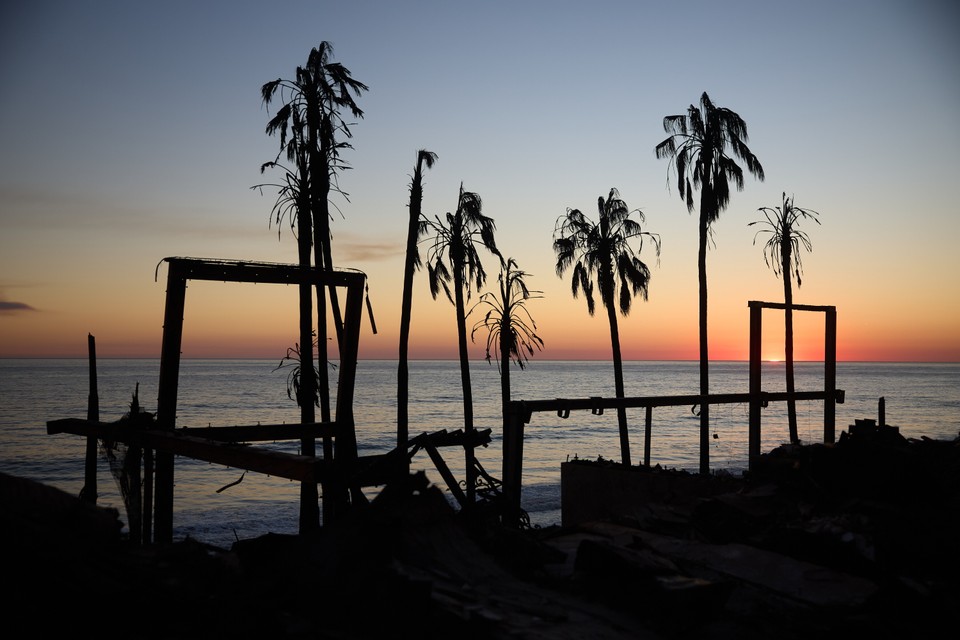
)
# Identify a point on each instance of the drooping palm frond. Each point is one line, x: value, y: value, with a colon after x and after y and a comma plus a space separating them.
x: 703, y: 146
x: 454, y: 252
x: 294, y: 362
x: 309, y: 119
x: 602, y: 252
x: 508, y: 321
x: 785, y: 238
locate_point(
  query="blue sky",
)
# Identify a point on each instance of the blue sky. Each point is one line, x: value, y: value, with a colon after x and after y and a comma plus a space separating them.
x: 130, y: 132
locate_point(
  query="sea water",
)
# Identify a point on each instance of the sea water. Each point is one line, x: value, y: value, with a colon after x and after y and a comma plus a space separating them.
x: 923, y: 400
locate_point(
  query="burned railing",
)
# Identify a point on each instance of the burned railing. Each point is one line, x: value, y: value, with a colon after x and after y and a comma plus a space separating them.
x: 520, y: 412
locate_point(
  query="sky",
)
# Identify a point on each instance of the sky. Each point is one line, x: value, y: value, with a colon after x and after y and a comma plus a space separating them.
x: 131, y: 132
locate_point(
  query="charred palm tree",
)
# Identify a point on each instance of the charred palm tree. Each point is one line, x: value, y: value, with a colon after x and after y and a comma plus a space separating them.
x: 425, y: 159
x: 293, y: 204
x: 782, y: 254
x: 603, y: 250
x: 454, y: 258
x: 311, y: 112
x: 698, y: 148
x: 511, y: 330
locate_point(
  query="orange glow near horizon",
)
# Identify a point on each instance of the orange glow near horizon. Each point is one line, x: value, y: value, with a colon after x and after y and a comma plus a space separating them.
x: 210, y: 337
x: 259, y: 321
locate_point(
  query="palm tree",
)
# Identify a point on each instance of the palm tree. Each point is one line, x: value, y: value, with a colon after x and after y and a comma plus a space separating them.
x: 293, y: 204
x: 603, y: 249
x: 510, y: 327
x: 424, y: 159
x: 454, y: 256
x: 698, y: 148
x: 312, y: 114
x: 782, y: 254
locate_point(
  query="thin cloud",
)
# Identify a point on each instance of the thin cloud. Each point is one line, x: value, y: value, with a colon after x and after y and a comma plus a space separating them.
x: 9, y: 307
x: 354, y: 251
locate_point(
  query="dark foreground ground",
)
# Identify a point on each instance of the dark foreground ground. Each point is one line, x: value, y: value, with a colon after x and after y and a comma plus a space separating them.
x: 854, y: 539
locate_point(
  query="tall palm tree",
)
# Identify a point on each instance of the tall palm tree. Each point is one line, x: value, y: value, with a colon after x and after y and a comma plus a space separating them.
x: 311, y: 113
x: 782, y: 254
x: 425, y: 159
x: 603, y: 249
x: 698, y: 146
x: 511, y: 330
x: 454, y: 256
x: 293, y: 203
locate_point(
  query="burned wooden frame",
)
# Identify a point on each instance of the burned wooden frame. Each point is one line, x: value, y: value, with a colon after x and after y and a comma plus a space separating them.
x: 218, y: 444
x: 830, y: 394
x: 180, y: 270
x: 520, y: 412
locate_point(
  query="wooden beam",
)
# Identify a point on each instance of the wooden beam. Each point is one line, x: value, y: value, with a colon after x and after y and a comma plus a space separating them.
x: 564, y: 405
x: 647, y: 435
x: 174, y: 443
x: 798, y: 307
x: 756, y: 368
x: 89, y: 491
x: 830, y: 375
x: 444, y: 438
x: 261, y: 272
x: 445, y: 473
x: 167, y: 402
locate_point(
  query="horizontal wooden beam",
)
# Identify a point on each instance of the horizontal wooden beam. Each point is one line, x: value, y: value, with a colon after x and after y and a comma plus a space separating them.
x: 274, y: 463
x: 260, y: 272
x: 444, y: 438
x: 565, y: 405
x: 796, y: 307
x: 252, y: 433
x: 369, y: 471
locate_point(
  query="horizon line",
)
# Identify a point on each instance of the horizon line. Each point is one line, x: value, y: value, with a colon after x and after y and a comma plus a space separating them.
x: 270, y: 359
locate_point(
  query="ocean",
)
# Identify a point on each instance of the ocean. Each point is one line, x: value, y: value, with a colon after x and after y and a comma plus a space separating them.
x: 922, y: 399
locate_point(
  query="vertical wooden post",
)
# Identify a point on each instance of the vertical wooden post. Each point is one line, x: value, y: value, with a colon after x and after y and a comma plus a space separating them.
x: 830, y: 376
x: 513, y: 463
x: 647, y: 434
x: 882, y: 411
x: 134, y: 497
x: 89, y: 491
x: 756, y: 342
x: 147, y: 525
x: 346, y: 439
x: 167, y: 400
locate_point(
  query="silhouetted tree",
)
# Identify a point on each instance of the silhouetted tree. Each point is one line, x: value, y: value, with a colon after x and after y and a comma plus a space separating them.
x: 511, y: 330
x: 311, y: 115
x: 292, y: 198
x: 425, y: 159
x: 782, y: 254
x: 603, y: 249
x: 293, y: 203
x: 698, y: 146
x: 453, y: 256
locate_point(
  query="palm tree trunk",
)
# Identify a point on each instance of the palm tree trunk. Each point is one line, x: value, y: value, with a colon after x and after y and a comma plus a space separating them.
x: 704, y: 351
x: 309, y: 507
x: 505, y: 338
x: 319, y: 190
x: 406, y: 309
x: 470, y: 470
x: 618, y: 381
x: 788, y: 338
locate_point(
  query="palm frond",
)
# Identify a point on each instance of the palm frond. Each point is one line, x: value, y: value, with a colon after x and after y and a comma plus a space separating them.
x: 780, y: 224
x: 697, y: 150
